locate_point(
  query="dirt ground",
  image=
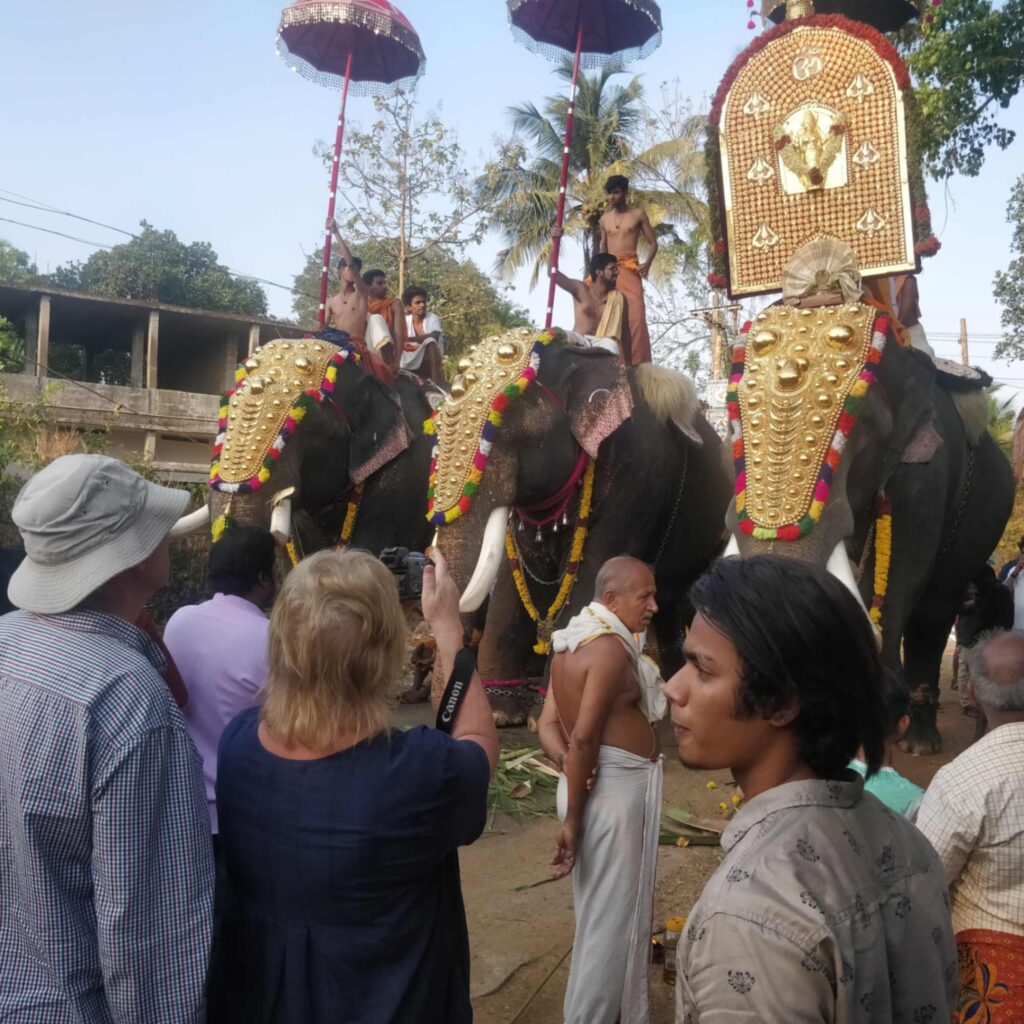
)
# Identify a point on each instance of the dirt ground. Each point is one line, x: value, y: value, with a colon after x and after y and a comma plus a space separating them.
x: 521, y: 940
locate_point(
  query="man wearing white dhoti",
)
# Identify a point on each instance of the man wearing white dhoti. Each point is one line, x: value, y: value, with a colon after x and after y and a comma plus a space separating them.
x: 424, y: 345
x: 603, y: 695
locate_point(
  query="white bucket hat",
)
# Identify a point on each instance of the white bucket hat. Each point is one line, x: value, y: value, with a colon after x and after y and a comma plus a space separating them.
x: 84, y: 519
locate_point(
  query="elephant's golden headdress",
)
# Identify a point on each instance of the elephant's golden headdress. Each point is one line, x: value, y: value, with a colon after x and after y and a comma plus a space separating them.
x: 809, y: 132
x: 274, y: 388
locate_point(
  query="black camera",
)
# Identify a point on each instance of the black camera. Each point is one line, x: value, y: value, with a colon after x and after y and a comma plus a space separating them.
x: 407, y: 567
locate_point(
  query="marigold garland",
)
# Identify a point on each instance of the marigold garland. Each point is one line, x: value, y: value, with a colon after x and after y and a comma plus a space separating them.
x: 851, y: 408
x: 351, y: 512
x: 579, y: 539
x: 883, y: 558
x: 488, y: 434
x: 295, y: 415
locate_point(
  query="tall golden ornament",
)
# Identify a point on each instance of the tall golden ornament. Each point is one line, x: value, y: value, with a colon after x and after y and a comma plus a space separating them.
x: 811, y: 138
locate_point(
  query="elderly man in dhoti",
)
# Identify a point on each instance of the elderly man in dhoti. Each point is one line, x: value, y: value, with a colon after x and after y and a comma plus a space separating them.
x: 601, y: 312
x: 603, y: 696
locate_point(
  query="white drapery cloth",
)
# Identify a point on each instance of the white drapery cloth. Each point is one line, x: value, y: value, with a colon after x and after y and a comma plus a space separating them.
x: 613, y: 890
x: 377, y: 332
x: 596, y: 620
x: 431, y: 322
x: 589, y: 341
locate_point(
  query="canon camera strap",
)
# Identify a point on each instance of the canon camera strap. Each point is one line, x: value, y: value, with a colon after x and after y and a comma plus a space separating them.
x: 455, y: 691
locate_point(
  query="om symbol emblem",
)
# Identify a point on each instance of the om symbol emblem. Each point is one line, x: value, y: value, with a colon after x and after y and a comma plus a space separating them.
x: 807, y: 64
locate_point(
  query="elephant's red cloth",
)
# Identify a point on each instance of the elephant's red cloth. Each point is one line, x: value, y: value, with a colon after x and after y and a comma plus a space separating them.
x: 372, y: 363
x: 991, y: 977
x: 179, y: 691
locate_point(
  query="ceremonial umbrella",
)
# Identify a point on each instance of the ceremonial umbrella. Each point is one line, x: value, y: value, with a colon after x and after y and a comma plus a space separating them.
x: 599, y: 34
x: 367, y: 46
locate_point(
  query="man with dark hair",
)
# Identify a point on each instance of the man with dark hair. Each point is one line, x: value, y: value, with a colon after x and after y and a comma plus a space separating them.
x: 348, y: 312
x: 827, y: 906
x: 1014, y: 563
x: 424, y: 346
x: 621, y: 228
x: 220, y: 646
x: 973, y: 814
x: 601, y: 311
x: 382, y: 305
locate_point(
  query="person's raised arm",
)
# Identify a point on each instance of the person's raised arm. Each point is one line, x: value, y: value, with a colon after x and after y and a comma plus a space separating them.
x: 606, y: 666
x: 344, y: 253
x: 568, y: 284
x: 652, y: 240
x: 440, y: 602
x: 401, y: 334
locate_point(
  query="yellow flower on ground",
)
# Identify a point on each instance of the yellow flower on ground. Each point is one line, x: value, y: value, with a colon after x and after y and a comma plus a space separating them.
x: 712, y: 784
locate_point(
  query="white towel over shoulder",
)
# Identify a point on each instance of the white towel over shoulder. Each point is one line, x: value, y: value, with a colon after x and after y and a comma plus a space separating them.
x: 596, y: 620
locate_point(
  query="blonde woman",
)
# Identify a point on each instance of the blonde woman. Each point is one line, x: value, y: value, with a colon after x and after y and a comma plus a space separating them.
x: 339, y: 831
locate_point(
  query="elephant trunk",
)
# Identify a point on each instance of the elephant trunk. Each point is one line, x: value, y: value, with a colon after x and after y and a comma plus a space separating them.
x: 492, y: 548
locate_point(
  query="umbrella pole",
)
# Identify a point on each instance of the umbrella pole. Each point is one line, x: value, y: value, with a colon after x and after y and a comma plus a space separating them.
x: 556, y: 240
x: 333, y: 192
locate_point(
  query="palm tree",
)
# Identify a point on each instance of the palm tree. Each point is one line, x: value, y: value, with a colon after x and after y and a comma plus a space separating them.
x: 613, y: 134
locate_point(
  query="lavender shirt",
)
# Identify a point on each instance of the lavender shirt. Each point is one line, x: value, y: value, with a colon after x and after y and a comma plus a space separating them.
x: 220, y: 648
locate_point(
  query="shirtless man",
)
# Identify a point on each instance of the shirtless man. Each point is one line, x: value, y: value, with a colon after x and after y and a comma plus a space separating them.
x: 621, y: 228
x: 595, y: 718
x: 594, y: 317
x: 346, y: 309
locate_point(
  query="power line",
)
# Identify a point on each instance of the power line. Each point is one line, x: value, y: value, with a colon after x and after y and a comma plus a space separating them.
x: 46, y: 208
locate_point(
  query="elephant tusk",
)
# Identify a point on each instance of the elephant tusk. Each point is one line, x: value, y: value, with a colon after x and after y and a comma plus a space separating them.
x: 191, y: 523
x: 732, y: 548
x: 488, y: 562
x: 281, y: 521
x: 839, y: 566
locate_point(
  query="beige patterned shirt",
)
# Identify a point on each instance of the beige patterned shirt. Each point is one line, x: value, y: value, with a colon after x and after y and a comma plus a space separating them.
x: 828, y: 907
x: 973, y: 814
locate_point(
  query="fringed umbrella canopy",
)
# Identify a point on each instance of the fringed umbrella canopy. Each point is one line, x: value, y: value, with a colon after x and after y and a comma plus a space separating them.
x: 885, y: 15
x: 317, y: 37
x: 615, y: 32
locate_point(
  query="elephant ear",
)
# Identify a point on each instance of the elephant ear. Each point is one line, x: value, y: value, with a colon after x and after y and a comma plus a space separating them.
x: 374, y: 414
x: 598, y: 399
x: 906, y: 377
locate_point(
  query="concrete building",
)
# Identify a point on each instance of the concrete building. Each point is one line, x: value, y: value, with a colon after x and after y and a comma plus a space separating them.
x: 149, y: 373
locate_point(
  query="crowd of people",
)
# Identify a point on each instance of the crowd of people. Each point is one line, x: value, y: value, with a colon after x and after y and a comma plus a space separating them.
x: 248, y: 837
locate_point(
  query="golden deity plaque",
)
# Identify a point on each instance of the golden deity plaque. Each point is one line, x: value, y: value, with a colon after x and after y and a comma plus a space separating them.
x: 276, y: 376
x: 800, y: 366
x: 812, y: 140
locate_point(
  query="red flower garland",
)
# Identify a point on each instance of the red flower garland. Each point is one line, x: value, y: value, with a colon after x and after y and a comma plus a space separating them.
x: 877, y: 41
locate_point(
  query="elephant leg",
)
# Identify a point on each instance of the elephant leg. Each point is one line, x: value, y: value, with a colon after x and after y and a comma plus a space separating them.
x: 924, y: 642
x: 668, y: 625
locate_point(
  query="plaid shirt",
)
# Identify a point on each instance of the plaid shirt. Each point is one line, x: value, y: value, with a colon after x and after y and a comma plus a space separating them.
x: 106, y: 871
x: 973, y: 814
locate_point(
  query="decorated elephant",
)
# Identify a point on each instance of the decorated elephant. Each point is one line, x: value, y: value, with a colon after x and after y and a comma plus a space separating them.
x: 315, y: 448
x: 552, y: 458
x: 851, y: 446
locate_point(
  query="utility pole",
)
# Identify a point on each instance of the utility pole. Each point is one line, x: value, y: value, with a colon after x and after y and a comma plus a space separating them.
x: 963, y: 343
x: 712, y: 316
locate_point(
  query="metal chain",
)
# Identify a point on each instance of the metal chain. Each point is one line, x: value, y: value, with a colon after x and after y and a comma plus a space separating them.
x: 961, y: 505
x: 675, y: 510
x: 529, y: 572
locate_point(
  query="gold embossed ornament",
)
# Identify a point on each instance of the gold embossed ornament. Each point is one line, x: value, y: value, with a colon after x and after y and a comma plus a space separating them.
x: 275, y: 387
x: 497, y: 371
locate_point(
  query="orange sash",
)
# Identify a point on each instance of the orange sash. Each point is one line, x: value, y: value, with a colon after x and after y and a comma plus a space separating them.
x: 386, y: 308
